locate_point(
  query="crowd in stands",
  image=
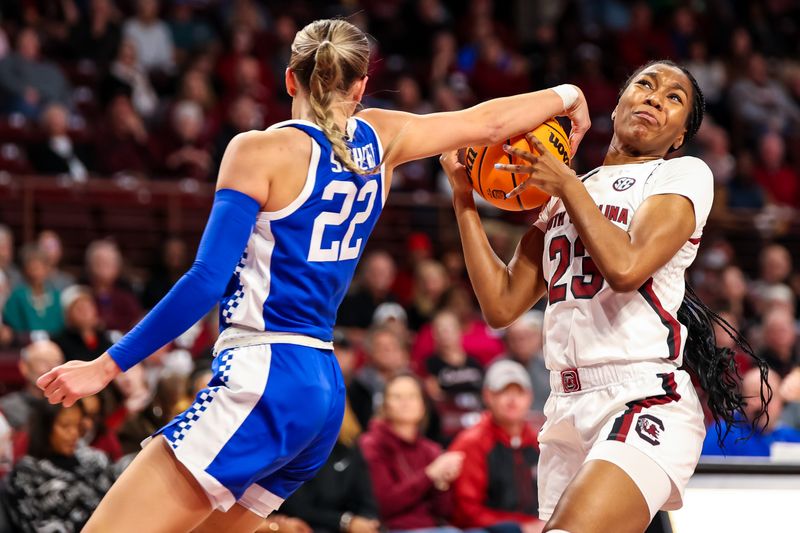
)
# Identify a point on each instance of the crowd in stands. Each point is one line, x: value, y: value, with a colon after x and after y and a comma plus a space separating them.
x: 440, y: 428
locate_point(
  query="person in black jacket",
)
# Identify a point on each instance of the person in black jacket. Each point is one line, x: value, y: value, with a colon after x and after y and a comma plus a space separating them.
x: 83, y: 339
x: 57, y: 153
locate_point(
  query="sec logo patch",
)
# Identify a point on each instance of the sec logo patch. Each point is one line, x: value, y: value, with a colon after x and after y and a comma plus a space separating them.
x: 623, y: 184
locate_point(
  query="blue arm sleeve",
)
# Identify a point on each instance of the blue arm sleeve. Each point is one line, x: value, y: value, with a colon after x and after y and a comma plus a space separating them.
x: 224, y: 240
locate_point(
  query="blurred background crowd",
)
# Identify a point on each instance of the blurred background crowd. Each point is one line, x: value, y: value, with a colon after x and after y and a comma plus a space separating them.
x: 437, y: 434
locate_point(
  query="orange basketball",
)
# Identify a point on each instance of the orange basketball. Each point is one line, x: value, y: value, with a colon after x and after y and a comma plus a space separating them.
x: 493, y: 184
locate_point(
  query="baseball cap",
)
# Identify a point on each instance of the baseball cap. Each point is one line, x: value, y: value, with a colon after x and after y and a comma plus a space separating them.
x: 389, y: 311
x: 504, y: 373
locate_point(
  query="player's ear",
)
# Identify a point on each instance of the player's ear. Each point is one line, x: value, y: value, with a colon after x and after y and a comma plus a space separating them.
x: 359, y: 87
x: 291, y: 83
x: 679, y: 141
x: 614, y: 114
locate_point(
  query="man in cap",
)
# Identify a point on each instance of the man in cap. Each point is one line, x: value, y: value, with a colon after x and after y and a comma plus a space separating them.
x: 497, y: 486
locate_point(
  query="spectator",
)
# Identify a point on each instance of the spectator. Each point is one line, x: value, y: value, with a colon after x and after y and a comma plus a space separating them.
x: 152, y: 37
x: 779, y: 340
x: 170, y: 392
x: 410, y: 474
x: 642, y: 41
x: 174, y: 262
x: 58, y: 484
x: 94, y: 431
x: 430, y: 285
x: 761, y: 102
x: 418, y: 250
x: 126, y: 76
x: 34, y: 306
x: 27, y: 83
x: 185, y: 154
x: 190, y: 33
x: 50, y: 244
x: 243, y: 115
x: 710, y: 74
x: 83, y: 339
x: 743, y: 190
x: 122, y: 143
x: 196, y: 86
x: 377, y: 276
x: 97, y: 35
x: 6, y: 333
x: 778, y: 179
x: 57, y: 154
x: 523, y: 341
x: 6, y: 451
x: 119, y: 310
x: 13, y: 275
x: 387, y: 356
x: 740, y: 441
x: 497, y: 487
x: 35, y: 360
x: 454, y: 378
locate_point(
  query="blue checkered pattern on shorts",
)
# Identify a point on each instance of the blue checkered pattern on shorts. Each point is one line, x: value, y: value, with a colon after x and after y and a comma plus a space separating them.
x: 191, y: 415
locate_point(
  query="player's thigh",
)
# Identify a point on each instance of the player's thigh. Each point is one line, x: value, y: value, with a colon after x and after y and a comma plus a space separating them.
x: 601, y: 498
x: 155, y: 494
x: 237, y: 518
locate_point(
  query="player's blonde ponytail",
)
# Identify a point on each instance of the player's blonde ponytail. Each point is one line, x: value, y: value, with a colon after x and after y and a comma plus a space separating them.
x: 328, y: 56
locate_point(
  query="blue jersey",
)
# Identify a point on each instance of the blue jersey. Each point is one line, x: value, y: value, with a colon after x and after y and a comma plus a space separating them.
x: 300, y: 260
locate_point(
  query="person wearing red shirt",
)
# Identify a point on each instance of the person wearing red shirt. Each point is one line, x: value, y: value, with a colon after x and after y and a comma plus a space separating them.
x: 497, y: 485
x: 410, y: 474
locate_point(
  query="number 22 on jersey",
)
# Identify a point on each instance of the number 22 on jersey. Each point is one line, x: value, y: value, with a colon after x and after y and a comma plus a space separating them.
x: 344, y: 249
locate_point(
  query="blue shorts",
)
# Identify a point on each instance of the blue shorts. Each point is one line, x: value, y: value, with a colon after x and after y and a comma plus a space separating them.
x: 266, y: 422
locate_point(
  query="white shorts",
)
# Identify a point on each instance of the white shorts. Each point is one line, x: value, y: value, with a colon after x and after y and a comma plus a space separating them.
x: 625, y: 414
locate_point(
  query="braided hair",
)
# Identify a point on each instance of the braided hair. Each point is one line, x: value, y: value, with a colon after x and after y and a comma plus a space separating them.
x: 328, y: 56
x: 714, y: 367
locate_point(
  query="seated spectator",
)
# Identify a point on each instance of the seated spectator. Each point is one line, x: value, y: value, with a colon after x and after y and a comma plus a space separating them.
x: 152, y: 38
x: 34, y: 306
x: 340, y: 497
x: 6, y: 449
x: 27, y: 83
x: 740, y: 441
x: 778, y: 179
x: 97, y: 35
x: 454, y: 378
x: 430, y: 287
x: 790, y: 392
x: 376, y: 278
x: 243, y: 115
x: 13, y: 275
x: 169, y: 400
x: 497, y: 487
x: 174, y: 262
x: 36, y: 359
x: 190, y: 33
x: 58, y: 484
x: 50, y: 244
x: 523, y: 341
x: 744, y: 192
x: 118, y: 307
x: 410, y: 474
x: 57, y: 154
x: 121, y: 144
x: 94, y: 431
x: 387, y: 356
x: 761, y: 102
x: 127, y: 76
x: 779, y: 341
x: 418, y: 250
x: 184, y: 153
x: 480, y: 341
x: 82, y: 339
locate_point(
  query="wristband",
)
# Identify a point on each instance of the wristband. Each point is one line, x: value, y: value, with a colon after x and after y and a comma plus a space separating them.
x: 568, y: 93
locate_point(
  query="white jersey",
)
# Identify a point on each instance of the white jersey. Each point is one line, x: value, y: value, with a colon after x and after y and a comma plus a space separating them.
x: 586, y: 323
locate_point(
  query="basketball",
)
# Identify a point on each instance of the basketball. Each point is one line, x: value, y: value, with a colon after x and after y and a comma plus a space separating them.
x: 493, y: 184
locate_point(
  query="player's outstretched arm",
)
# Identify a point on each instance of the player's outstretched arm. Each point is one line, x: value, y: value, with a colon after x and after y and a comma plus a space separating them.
x: 409, y: 136
x: 236, y: 205
x: 504, y: 291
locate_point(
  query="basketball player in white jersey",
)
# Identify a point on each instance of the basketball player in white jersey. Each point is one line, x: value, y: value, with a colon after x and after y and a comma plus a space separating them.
x: 624, y: 424
x: 294, y: 208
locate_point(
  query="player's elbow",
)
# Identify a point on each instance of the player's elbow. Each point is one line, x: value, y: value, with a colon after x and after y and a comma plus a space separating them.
x: 623, y: 281
x: 490, y: 126
x: 498, y: 318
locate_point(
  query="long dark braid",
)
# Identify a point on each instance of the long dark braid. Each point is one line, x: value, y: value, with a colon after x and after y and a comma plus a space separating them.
x: 715, y: 367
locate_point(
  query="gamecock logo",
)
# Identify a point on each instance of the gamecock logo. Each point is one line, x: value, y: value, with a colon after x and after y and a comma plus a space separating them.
x: 649, y: 428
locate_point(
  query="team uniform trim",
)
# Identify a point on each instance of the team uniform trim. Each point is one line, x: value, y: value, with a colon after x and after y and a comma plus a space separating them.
x: 622, y: 425
x: 669, y: 321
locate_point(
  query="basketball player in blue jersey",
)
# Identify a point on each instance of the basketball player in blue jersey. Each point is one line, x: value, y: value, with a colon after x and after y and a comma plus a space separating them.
x: 292, y: 213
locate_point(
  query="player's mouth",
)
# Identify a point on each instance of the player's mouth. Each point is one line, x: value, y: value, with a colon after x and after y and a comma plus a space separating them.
x: 646, y: 117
